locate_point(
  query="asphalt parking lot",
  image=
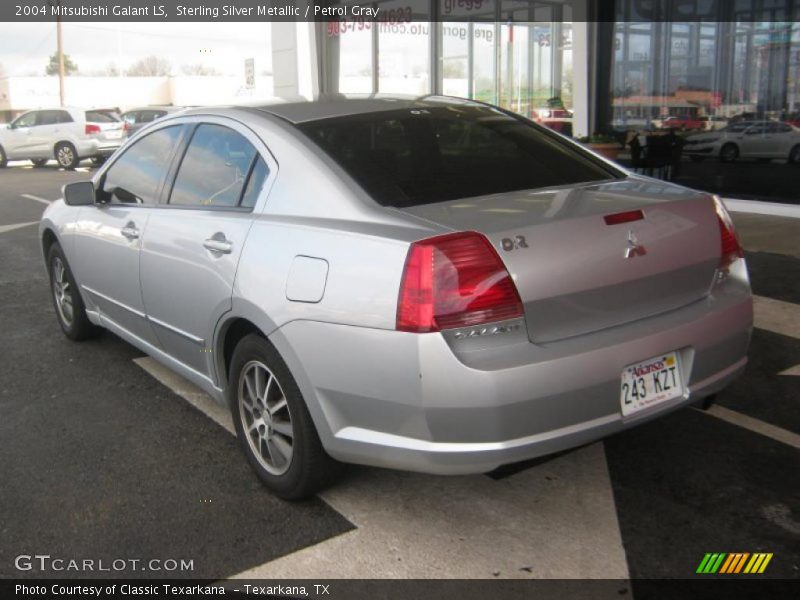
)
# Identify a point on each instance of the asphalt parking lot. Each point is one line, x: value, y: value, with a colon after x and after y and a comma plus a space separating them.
x: 106, y: 455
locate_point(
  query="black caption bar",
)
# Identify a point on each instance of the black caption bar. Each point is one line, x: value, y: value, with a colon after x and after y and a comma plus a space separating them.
x: 404, y: 589
x: 398, y: 11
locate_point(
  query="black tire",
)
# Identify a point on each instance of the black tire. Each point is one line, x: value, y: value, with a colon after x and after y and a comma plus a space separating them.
x: 309, y: 469
x: 696, y: 159
x: 3, y: 158
x: 794, y: 155
x: 74, y: 323
x: 729, y: 153
x: 66, y: 155
x: 98, y: 160
x: 39, y: 162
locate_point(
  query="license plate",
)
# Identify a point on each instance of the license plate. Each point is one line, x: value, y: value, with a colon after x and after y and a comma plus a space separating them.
x: 113, y: 135
x: 650, y: 382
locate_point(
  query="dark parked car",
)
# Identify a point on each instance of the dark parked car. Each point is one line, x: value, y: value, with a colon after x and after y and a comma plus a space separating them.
x: 136, y: 118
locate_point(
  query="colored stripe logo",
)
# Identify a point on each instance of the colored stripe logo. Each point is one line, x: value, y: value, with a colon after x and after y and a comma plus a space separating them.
x: 734, y: 562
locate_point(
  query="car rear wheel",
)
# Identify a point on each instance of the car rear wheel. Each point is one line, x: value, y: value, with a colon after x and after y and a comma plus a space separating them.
x: 3, y: 158
x: 794, y: 155
x: 70, y: 310
x: 98, y: 160
x: 66, y: 156
x: 273, y: 424
x: 729, y: 153
x: 39, y: 162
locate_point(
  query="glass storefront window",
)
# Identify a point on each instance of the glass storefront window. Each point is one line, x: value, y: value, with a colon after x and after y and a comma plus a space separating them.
x: 521, y: 64
x: 403, y: 55
x: 355, y: 65
x: 483, y: 63
x: 455, y: 59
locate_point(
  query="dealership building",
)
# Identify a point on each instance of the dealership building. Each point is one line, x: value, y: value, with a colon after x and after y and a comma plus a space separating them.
x: 612, y: 65
x: 579, y: 66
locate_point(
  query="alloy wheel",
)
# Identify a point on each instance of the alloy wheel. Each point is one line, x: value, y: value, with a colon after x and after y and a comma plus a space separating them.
x: 266, y: 418
x: 62, y: 292
x: 729, y: 153
x: 65, y: 156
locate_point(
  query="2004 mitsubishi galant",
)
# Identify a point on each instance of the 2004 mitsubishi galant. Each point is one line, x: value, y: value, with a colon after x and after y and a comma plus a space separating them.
x: 427, y: 284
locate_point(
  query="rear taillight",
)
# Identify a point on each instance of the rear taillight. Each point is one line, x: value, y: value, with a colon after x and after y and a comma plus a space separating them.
x: 730, y: 249
x: 126, y: 127
x: 90, y: 129
x: 454, y: 280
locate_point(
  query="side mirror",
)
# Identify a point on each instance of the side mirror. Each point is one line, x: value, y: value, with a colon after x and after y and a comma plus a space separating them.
x: 79, y: 193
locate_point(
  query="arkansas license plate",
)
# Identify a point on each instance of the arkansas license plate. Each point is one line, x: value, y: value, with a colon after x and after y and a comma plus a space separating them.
x: 650, y: 382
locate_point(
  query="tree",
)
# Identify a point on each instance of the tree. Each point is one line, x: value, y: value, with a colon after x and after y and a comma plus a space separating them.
x: 454, y: 69
x: 201, y: 70
x: 149, y: 66
x: 69, y: 66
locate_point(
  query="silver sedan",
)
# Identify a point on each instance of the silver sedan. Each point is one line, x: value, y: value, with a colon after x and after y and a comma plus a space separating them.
x: 428, y: 284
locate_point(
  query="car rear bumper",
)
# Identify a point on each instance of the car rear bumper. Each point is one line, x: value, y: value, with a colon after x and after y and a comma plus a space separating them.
x: 91, y: 147
x: 409, y: 401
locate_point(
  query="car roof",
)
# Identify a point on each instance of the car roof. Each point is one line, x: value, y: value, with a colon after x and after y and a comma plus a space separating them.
x: 339, y: 105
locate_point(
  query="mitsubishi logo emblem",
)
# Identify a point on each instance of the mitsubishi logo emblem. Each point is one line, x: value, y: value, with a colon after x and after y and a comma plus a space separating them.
x: 634, y: 247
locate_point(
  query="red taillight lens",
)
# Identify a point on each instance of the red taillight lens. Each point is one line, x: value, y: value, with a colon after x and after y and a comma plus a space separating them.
x: 90, y: 129
x: 730, y: 249
x: 454, y: 280
x: 624, y: 217
x: 126, y: 127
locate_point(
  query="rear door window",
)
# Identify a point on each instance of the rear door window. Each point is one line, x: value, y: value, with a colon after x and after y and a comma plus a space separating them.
x: 214, y: 169
x: 53, y: 117
x: 258, y: 175
x: 423, y: 155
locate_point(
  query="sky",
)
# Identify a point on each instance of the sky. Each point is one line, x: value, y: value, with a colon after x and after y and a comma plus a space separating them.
x: 25, y: 48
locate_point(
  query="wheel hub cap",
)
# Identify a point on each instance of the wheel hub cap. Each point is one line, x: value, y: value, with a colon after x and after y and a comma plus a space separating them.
x: 62, y: 291
x: 265, y: 418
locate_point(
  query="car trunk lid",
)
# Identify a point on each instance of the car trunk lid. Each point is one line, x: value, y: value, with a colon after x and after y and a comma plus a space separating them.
x: 574, y: 272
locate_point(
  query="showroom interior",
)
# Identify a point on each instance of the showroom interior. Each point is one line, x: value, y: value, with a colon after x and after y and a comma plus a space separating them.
x: 109, y: 455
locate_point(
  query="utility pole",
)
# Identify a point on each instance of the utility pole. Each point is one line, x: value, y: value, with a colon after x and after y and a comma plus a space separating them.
x: 60, y: 61
x: 59, y: 50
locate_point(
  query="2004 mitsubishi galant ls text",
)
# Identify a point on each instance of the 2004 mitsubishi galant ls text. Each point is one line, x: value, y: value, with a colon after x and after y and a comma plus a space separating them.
x: 427, y: 284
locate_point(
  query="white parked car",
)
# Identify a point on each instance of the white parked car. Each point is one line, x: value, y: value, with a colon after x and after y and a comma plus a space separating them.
x: 747, y: 139
x: 67, y: 135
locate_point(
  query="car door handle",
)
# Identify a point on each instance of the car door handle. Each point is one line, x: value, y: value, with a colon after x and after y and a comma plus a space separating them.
x: 130, y: 231
x: 218, y: 244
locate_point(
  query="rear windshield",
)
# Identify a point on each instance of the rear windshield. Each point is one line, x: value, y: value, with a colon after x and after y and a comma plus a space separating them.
x: 423, y: 155
x: 100, y: 116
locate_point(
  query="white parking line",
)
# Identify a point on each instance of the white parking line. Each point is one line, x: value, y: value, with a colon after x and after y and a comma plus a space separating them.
x: 188, y: 391
x: 4, y: 228
x: 758, y: 207
x: 771, y: 431
x: 555, y: 520
x: 37, y: 198
x: 779, y: 317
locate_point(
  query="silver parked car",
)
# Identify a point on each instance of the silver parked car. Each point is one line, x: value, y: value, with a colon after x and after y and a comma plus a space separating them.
x: 764, y: 140
x: 67, y: 135
x: 427, y: 284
